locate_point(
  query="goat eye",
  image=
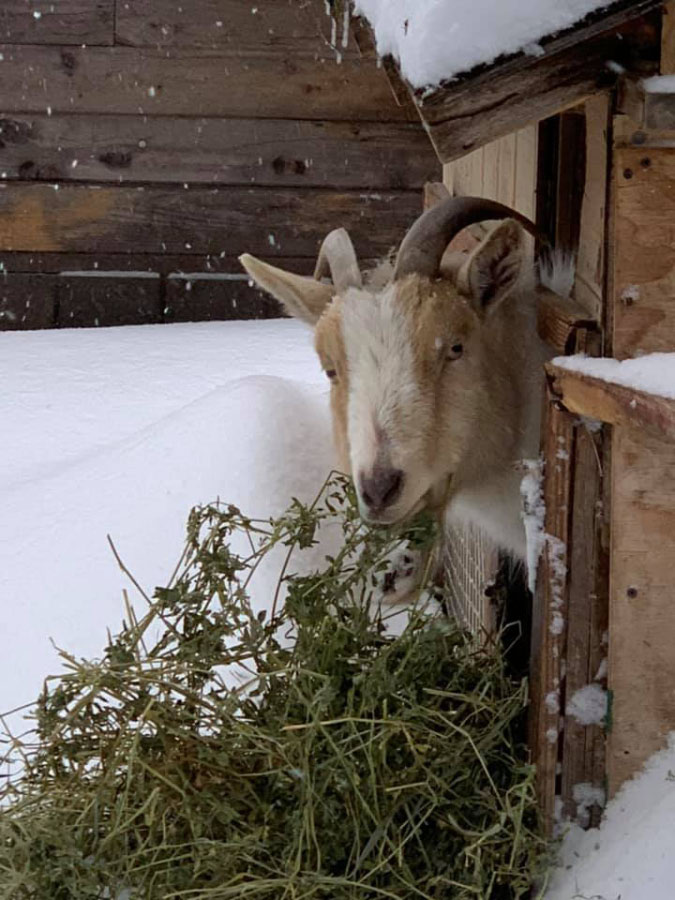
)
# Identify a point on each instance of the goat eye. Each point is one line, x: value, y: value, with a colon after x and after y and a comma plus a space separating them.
x: 455, y: 351
x: 331, y: 373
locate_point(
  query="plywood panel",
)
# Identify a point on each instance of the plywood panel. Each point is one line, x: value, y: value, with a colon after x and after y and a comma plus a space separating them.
x: 642, y: 612
x: 58, y: 22
x: 271, y: 222
x: 199, y: 82
x: 216, y: 151
x: 644, y: 259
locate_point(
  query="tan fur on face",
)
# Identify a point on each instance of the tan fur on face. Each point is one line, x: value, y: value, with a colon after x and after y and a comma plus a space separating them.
x: 404, y: 397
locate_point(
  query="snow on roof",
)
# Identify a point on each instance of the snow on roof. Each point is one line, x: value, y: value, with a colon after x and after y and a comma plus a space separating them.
x: 435, y: 40
x: 654, y: 373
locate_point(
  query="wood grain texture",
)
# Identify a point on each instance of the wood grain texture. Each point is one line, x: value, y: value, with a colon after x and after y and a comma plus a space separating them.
x: 641, y: 658
x: 498, y: 99
x: 612, y: 403
x: 589, y: 287
x: 668, y: 39
x: 201, y: 298
x: 550, y: 611
x: 268, y: 222
x: 644, y: 257
x: 559, y: 320
x: 198, y: 82
x: 226, y: 24
x: 583, y: 757
x: 274, y: 152
x: 64, y: 22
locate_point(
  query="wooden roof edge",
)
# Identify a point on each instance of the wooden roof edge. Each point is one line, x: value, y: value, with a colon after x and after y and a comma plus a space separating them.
x: 515, y: 90
x: 612, y: 403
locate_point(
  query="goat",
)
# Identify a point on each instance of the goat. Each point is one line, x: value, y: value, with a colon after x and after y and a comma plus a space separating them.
x: 436, y: 376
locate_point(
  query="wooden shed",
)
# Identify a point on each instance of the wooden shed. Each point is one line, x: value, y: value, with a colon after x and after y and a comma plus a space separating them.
x: 574, y: 138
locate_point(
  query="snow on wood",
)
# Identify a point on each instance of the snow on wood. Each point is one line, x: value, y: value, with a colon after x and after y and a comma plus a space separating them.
x: 659, y: 84
x: 630, y: 856
x: 588, y: 705
x: 435, y: 40
x: 654, y: 373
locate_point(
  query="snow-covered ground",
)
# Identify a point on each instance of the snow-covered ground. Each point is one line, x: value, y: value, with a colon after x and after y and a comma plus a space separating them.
x: 435, y: 40
x: 631, y: 857
x: 121, y: 431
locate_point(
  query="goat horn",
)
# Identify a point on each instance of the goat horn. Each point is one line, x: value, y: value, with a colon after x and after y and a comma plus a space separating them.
x: 337, y: 258
x: 427, y: 240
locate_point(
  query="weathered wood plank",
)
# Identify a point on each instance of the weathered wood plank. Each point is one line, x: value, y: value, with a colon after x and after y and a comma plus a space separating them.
x: 151, y: 81
x: 233, y: 24
x: 641, y: 659
x: 589, y: 286
x: 120, y: 149
x: 586, y: 650
x: 61, y: 22
x: 612, y: 403
x: 644, y: 261
x: 105, y: 299
x: 271, y: 222
x: 124, y: 262
x: 202, y: 298
x: 550, y: 611
x: 499, y: 99
x: 27, y: 301
x: 667, y: 66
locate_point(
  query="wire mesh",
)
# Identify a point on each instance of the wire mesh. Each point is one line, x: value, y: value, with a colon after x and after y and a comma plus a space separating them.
x: 471, y: 563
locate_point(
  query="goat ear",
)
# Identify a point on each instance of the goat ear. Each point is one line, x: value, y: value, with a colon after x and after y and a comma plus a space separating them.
x: 493, y: 269
x: 302, y: 297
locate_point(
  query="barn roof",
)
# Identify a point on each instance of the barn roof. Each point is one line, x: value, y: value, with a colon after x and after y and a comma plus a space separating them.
x: 497, y: 65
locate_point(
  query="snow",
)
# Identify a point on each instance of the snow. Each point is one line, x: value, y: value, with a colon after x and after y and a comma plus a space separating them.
x: 630, y: 856
x: 121, y: 431
x: 533, y: 515
x: 653, y: 373
x: 659, y: 84
x: 435, y: 40
x: 588, y: 705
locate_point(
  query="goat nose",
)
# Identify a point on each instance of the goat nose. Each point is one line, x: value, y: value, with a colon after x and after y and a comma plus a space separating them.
x: 381, y: 488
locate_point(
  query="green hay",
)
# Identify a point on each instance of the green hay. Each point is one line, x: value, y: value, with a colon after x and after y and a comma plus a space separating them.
x: 355, y: 765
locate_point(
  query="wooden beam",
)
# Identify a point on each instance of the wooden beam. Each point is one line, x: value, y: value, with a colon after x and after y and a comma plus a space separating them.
x: 497, y: 99
x: 550, y: 612
x: 668, y: 39
x: 613, y: 403
x: 246, y: 151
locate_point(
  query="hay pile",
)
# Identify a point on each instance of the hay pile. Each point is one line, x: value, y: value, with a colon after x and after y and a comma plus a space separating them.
x: 353, y: 765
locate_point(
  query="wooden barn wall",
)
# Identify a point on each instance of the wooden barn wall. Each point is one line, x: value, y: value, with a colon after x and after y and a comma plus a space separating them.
x: 505, y: 170
x: 149, y: 139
